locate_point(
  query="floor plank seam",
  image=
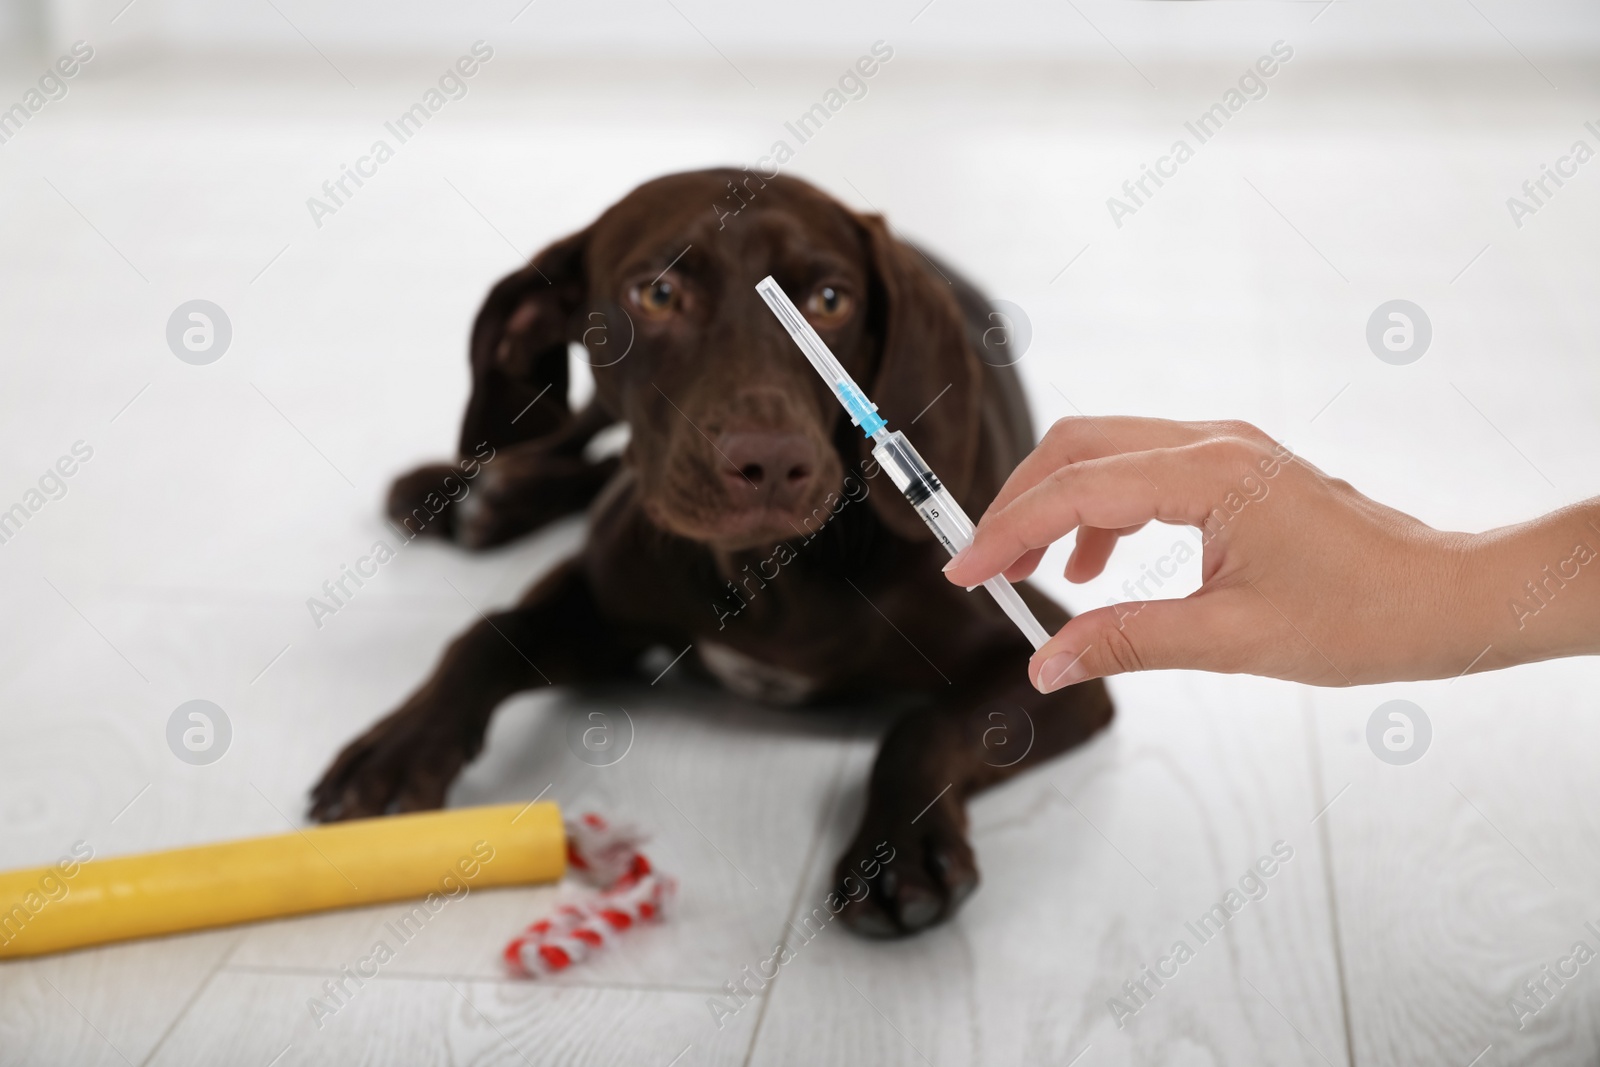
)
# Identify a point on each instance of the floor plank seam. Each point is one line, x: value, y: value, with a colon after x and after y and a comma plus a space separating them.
x: 1324, y: 841
x: 194, y: 998
x: 476, y: 979
x: 768, y: 994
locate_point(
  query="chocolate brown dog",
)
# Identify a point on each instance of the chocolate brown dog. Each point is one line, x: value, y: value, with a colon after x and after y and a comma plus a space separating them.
x: 745, y: 516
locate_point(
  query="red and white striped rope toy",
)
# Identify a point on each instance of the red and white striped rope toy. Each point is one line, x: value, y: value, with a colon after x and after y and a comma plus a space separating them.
x: 630, y: 891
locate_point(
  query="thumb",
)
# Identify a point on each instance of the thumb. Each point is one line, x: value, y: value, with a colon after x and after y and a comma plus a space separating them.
x: 1190, y: 633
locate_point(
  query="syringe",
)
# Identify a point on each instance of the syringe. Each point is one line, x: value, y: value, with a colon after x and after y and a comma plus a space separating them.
x: 911, y: 475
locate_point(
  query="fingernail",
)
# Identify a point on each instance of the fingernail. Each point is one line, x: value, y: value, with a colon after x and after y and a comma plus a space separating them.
x: 957, y: 558
x: 1061, y: 669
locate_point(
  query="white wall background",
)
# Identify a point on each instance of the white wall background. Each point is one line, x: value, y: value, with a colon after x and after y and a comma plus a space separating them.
x: 691, y: 29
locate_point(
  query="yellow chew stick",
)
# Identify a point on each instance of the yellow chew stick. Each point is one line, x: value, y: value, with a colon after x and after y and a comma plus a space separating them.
x: 365, y: 861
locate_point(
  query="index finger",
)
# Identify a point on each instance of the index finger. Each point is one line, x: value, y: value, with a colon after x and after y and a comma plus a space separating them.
x: 1084, y: 437
x: 1167, y: 485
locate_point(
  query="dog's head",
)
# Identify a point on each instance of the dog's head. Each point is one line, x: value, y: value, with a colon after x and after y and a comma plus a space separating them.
x: 735, y: 440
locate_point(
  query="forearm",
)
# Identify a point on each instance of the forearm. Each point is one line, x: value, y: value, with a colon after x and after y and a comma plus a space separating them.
x: 1539, y: 585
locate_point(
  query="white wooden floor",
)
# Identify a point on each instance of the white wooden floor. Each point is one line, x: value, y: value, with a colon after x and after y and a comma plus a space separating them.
x: 219, y: 498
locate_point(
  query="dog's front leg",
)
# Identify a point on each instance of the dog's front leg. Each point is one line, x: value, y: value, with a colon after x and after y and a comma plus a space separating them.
x: 408, y: 759
x: 910, y: 865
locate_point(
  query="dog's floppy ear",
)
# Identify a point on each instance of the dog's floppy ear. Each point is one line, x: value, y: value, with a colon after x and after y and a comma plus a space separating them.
x: 923, y: 352
x: 519, y: 349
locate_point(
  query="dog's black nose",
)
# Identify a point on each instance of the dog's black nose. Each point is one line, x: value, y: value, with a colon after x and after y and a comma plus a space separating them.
x: 767, y: 467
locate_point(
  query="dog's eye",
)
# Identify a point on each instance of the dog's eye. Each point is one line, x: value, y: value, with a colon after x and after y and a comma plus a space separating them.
x: 658, y: 297
x: 828, y: 304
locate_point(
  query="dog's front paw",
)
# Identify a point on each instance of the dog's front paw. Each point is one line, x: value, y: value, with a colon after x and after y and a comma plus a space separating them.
x: 906, y: 872
x: 406, y: 762
x: 421, y: 502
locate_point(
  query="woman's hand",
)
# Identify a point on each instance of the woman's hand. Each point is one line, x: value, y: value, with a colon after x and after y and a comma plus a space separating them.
x: 1303, y: 577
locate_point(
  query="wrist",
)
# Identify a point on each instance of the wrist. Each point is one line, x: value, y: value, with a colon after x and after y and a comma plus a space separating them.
x: 1463, y: 626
